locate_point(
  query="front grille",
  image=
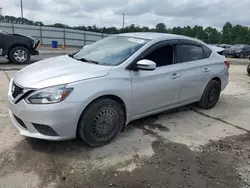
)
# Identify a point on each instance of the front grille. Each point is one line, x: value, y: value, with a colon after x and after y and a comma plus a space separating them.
x: 16, y: 90
x: 20, y: 122
x: 45, y: 129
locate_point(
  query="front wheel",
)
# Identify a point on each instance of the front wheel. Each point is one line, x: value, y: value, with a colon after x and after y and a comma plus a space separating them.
x: 101, y: 122
x: 19, y: 55
x: 248, y: 69
x: 210, y: 95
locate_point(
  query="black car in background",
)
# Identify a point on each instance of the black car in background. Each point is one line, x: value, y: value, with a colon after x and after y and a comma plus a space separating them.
x: 238, y: 50
x: 17, y: 48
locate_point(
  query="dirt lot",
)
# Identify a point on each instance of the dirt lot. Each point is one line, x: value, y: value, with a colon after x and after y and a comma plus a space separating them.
x: 186, y: 147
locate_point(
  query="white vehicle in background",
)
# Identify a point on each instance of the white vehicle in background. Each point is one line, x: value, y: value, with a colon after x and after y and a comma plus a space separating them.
x: 219, y: 50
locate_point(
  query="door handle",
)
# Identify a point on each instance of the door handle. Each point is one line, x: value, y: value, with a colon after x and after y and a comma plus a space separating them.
x: 174, y: 76
x: 206, y: 70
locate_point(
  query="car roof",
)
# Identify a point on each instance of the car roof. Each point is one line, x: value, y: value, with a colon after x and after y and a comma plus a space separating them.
x: 153, y: 36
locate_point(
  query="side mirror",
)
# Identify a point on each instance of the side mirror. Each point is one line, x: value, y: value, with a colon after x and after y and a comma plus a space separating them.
x: 146, y: 64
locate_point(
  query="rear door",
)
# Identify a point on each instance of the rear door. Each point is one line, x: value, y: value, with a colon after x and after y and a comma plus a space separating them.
x: 195, y: 70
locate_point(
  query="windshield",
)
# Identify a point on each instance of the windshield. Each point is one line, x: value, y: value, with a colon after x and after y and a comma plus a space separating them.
x: 238, y: 46
x: 110, y: 51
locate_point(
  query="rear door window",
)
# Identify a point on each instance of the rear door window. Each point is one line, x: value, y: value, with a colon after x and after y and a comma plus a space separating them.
x: 189, y: 52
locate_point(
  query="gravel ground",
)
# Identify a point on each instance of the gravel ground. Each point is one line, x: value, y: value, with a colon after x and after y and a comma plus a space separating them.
x: 220, y: 164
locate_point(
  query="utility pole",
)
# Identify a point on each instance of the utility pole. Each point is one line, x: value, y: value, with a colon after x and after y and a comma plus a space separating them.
x: 21, y: 9
x: 123, y: 17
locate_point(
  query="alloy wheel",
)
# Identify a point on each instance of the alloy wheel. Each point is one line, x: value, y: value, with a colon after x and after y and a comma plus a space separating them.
x: 20, y: 55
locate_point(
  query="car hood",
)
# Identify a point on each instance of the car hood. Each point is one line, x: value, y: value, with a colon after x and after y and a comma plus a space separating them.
x: 58, y: 70
x: 23, y: 36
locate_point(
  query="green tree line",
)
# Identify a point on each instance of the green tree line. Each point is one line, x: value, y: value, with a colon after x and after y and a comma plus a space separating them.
x: 230, y: 34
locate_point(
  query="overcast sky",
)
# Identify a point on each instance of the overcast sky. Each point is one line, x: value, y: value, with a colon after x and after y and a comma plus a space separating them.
x: 140, y: 12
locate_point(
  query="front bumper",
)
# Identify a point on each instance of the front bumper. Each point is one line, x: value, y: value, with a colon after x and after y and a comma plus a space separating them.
x: 61, y: 117
x: 34, y: 52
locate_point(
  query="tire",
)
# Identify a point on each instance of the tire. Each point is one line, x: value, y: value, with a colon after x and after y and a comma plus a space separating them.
x: 210, y: 95
x: 101, y: 122
x: 19, y: 55
x: 248, y: 69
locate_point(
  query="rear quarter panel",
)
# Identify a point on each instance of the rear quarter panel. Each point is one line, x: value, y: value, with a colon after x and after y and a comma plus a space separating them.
x: 219, y: 69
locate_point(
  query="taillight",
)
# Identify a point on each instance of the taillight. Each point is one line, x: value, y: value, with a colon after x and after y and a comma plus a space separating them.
x: 228, y: 64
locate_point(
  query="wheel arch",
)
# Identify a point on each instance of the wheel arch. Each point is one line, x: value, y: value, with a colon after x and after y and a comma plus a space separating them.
x: 16, y: 45
x: 216, y: 79
x: 107, y: 96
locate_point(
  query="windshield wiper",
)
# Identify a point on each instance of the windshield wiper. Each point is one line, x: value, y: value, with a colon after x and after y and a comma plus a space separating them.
x: 86, y: 60
x: 72, y: 55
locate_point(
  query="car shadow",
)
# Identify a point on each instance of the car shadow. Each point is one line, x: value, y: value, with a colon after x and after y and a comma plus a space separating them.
x: 3, y: 62
x: 77, y: 147
x: 69, y: 147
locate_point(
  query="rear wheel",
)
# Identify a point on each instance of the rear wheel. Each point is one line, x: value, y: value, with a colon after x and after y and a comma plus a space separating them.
x: 19, y: 55
x: 101, y: 122
x: 248, y: 69
x: 210, y: 95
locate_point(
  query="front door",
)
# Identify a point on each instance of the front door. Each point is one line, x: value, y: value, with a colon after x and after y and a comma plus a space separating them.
x: 155, y: 90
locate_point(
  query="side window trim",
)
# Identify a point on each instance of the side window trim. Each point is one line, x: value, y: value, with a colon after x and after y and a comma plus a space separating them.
x: 152, y: 48
x: 204, y: 51
x: 187, y: 42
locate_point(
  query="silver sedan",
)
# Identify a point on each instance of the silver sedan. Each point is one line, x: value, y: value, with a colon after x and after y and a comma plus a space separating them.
x: 97, y: 91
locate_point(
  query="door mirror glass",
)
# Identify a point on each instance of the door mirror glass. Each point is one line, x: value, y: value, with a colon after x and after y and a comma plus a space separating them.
x: 146, y: 64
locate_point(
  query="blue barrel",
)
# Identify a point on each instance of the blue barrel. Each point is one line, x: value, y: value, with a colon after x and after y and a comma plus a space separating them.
x: 54, y: 44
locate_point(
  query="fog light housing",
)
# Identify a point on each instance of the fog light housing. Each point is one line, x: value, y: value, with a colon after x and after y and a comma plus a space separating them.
x: 45, y: 129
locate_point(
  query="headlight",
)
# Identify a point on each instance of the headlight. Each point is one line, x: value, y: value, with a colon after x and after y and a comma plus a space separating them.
x: 49, y: 95
x: 238, y: 51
